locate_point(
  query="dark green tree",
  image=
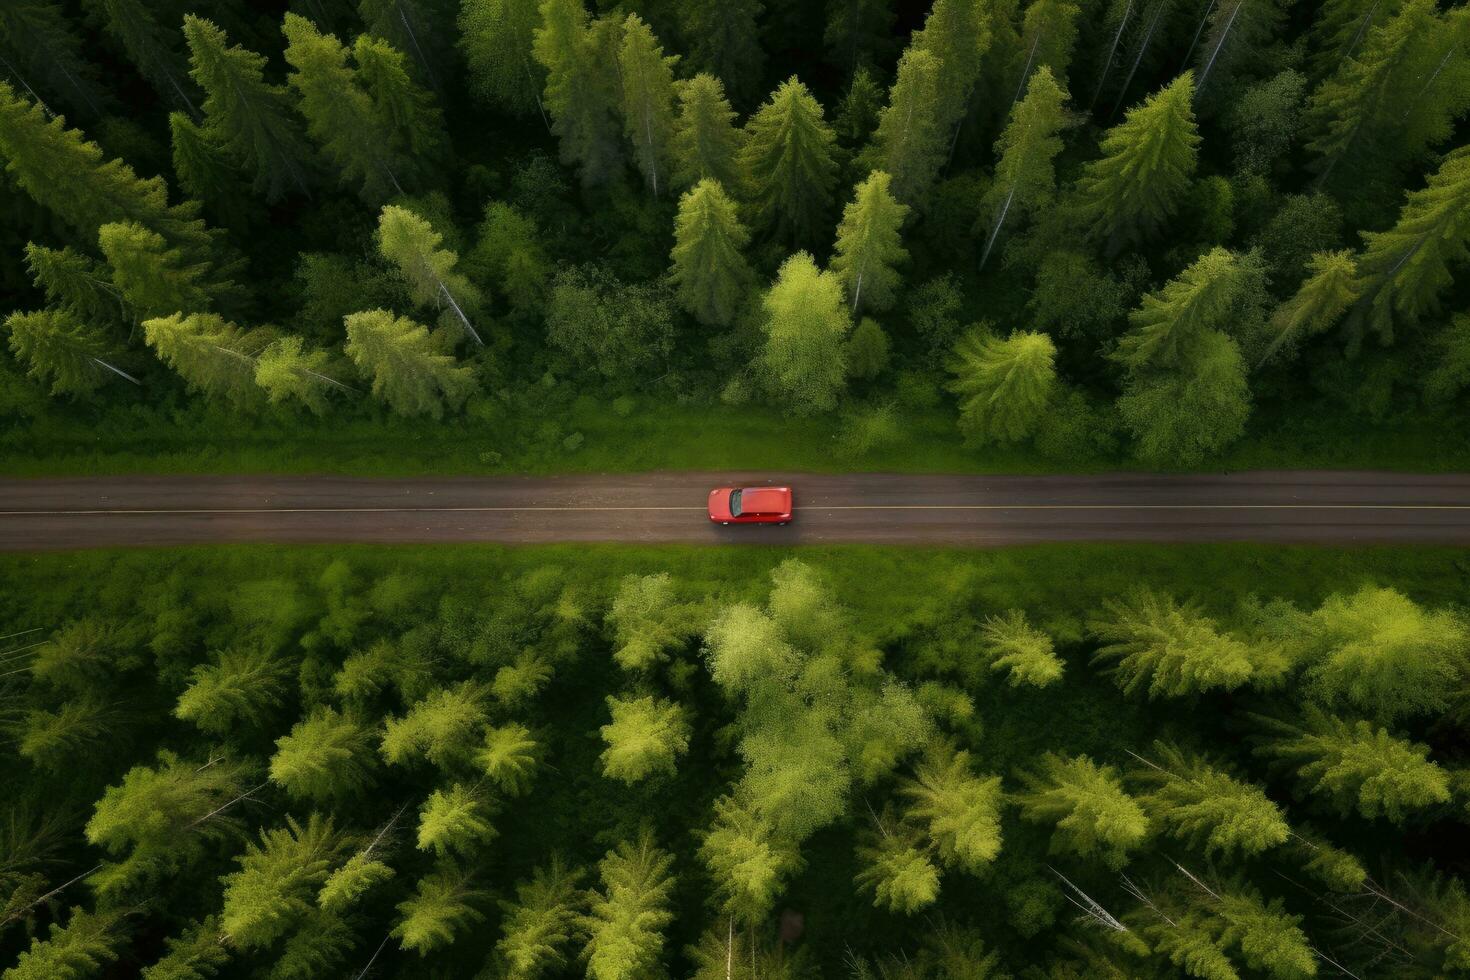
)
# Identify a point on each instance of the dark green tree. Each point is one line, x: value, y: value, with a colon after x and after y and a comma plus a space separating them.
x: 495, y: 37
x: 583, y: 91
x: 724, y: 40
x: 706, y: 143
x: 1004, y: 386
x: 648, y: 101
x: 788, y: 158
x: 710, y: 271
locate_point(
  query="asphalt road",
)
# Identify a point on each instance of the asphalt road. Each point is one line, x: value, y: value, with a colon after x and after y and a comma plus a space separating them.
x: 970, y: 511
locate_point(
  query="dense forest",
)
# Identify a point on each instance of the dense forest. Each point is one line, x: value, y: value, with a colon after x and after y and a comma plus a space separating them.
x: 1077, y: 231
x: 614, y: 763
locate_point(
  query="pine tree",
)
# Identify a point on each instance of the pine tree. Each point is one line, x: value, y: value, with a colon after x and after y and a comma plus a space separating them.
x: 647, y: 621
x: 509, y: 758
x: 725, y: 41
x: 959, y: 811
x: 195, y: 954
x: 806, y: 323
x: 207, y: 173
x: 406, y: 371
x: 1172, y: 650
x: 71, y: 356
x: 626, y: 916
x: 77, y: 284
x: 1208, y: 808
x: 157, y: 820
x: 67, y: 175
x: 910, y: 142
x: 1015, y: 645
x: 495, y: 37
x: 340, y: 116
x: 453, y: 822
x: 1146, y: 166
x: 540, y: 923
x: 403, y: 108
x: 747, y: 860
x: 1168, y: 323
x: 325, y: 757
x: 240, y: 688
x: 412, y: 244
x: 153, y: 279
x: 648, y: 100
x: 52, y: 739
x: 277, y: 882
x: 709, y: 272
x: 582, y: 90
x: 706, y: 143
x: 441, y: 728
x: 80, y: 949
x: 152, y: 47
x: 1238, y: 29
x: 1331, y: 287
x: 443, y: 905
x: 957, y: 34
x: 1403, y: 271
x: 1004, y: 385
x: 1048, y: 34
x: 1338, y: 31
x: 246, y: 115
x: 1092, y: 813
x: 287, y: 372
x: 212, y: 355
x: 1356, y: 767
x: 869, y: 245
x: 1264, y: 935
x: 788, y: 158
x: 896, y: 870
x: 43, y: 52
x: 644, y: 738
x: 1025, y: 178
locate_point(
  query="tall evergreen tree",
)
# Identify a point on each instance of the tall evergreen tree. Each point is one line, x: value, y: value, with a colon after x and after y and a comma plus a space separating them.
x: 249, y: 117
x: 748, y: 862
x: 406, y: 370
x: 412, y: 244
x: 648, y: 100
x: 788, y: 157
x: 959, y: 811
x: 80, y: 949
x: 1238, y: 30
x: 725, y: 41
x: 538, y: 926
x: 583, y: 91
x: 276, y: 885
x: 441, y: 728
x: 1170, y: 321
x: 326, y: 756
x: 411, y: 26
x: 443, y: 904
x: 153, y: 47
x: 77, y: 284
x: 910, y: 143
x: 1025, y: 178
x: 509, y: 758
x: 1014, y: 645
x: 207, y: 173
x: 644, y: 738
x: 495, y: 37
x: 153, y: 279
x: 869, y: 246
x: 197, y: 953
x: 1048, y: 34
x: 706, y: 143
x: 212, y: 355
x: 648, y: 621
x: 239, y: 689
x: 957, y: 34
x: 70, y: 355
x: 710, y: 273
x: 1331, y: 287
x: 453, y: 822
x: 626, y: 916
x: 896, y: 869
x: 1146, y: 166
x: 806, y: 323
x: 859, y: 33
x: 1004, y: 385
x: 404, y: 109
x: 1094, y: 817
x: 287, y: 371
x: 1182, y: 415
x: 1208, y: 808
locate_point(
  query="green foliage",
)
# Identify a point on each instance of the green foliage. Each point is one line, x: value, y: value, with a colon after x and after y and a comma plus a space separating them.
x: 747, y: 861
x: 959, y: 811
x: 867, y: 350
x: 288, y: 372
x: 710, y: 274
x: 1330, y: 288
x: 869, y: 246
x: 648, y: 621
x: 66, y: 353
x: 724, y: 40
x: 625, y: 918
x: 1094, y: 817
x: 211, y: 354
x: 453, y: 822
x: 648, y: 100
x: 441, y: 728
x: 495, y: 37
x: 1169, y: 323
x: 789, y: 160
x: 806, y: 324
x: 407, y: 371
x: 1004, y: 385
x: 195, y: 954
x: 509, y: 757
x: 1183, y: 416
x: 583, y: 91
x: 443, y: 905
x: 897, y: 871
x: 643, y: 739
x: 347, y: 885
x: 1014, y: 645
x: 411, y: 243
x: 910, y: 142
x: 40, y: 45
x: 326, y: 756
x: 615, y: 328
x: 278, y: 879
x: 540, y: 923
x: 706, y: 144
x: 957, y: 33
x: 1208, y: 808
x: 241, y: 687
x: 1025, y: 176
x: 80, y: 949
x: 51, y: 739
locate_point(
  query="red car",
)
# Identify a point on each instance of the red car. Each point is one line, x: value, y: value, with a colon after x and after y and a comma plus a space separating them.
x: 750, y: 505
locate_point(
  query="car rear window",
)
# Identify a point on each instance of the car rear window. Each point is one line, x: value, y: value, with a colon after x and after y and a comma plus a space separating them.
x: 734, y: 503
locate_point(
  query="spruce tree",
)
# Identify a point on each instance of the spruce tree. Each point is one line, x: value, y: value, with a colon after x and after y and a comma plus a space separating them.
x: 153, y: 47
x: 1014, y: 645
x: 957, y: 34
x: 212, y: 355
x: 406, y: 370
x: 706, y: 143
x: 53, y: 739
x: 583, y: 91
x: 509, y: 758
x: 77, y: 284
x: 69, y: 355
x: 959, y: 811
x: 441, y: 728
x: 626, y: 916
x: 1403, y: 272
x: 709, y: 273
x: 495, y: 37
x: 1025, y: 178
x: 276, y: 885
x: 80, y: 949
x: 249, y: 117
x: 896, y: 869
x: 240, y: 688
x: 806, y: 323
x: 1238, y: 30
x: 748, y: 862
x: 453, y: 822
x: 1356, y: 767
x: 1169, y: 321
x: 910, y: 143
x: 869, y: 246
x: 725, y: 41
x: 788, y: 158
x: 409, y: 26
x: 537, y: 927
x: 1094, y: 817
x: 1207, y: 807
x: 288, y: 372
x: 153, y: 279
x: 1048, y: 34
x: 1004, y: 386
x: 1146, y: 166
x: 1171, y: 650
x: 1331, y: 287
x: 648, y: 101
x: 644, y: 738
x: 327, y: 756
x: 412, y: 244
x: 195, y: 954
x: 443, y: 904
x: 206, y: 172
x: 403, y: 108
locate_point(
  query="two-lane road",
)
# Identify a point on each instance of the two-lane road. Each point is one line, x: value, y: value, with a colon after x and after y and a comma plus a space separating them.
x: 967, y: 511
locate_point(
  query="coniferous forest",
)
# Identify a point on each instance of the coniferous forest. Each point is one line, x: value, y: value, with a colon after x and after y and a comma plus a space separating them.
x: 481, y: 236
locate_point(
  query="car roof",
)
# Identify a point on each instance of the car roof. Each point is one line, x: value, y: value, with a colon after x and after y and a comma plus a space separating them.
x: 764, y: 500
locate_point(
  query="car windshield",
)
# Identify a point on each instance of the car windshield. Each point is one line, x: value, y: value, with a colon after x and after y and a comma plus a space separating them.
x: 734, y: 503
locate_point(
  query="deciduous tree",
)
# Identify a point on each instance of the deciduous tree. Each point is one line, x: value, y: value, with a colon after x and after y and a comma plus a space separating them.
x: 806, y: 323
